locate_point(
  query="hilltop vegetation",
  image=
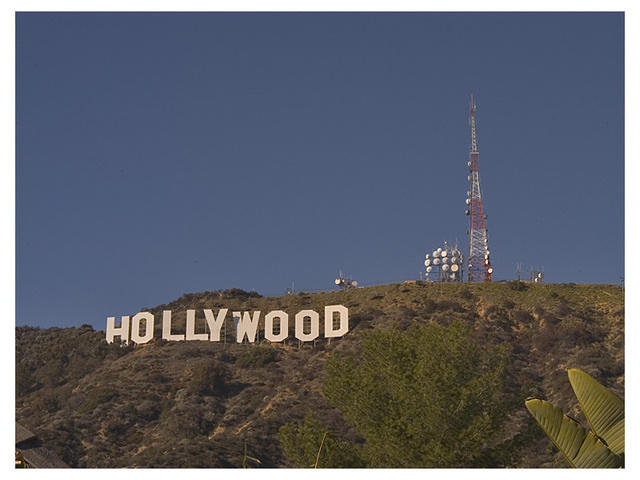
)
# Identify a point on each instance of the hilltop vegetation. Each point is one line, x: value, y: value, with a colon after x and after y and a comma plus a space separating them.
x: 483, y: 348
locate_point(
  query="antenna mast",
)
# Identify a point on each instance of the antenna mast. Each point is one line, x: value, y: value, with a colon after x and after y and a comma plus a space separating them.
x: 479, y: 262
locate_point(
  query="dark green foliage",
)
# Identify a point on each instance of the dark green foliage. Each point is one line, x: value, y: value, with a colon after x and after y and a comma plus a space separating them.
x: 465, y: 294
x: 521, y: 316
x: 257, y: 357
x: 46, y: 399
x: 25, y: 381
x: 517, y: 285
x: 428, y: 306
x: 445, y: 305
x: 96, y: 397
x: 508, y: 304
x: 187, y: 423
x: 237, y: 292
x: 63, y: 437
x: 563, y: 309
x: 428, y: 397
x: 209, y: 378
x: 51, y: 357
x: 301, y: 444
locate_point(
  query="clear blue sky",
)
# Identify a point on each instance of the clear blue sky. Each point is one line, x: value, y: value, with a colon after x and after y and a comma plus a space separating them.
x: 159, y: 154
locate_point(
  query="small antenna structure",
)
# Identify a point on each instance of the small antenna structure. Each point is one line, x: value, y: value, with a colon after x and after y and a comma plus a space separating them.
x: 344, y: 283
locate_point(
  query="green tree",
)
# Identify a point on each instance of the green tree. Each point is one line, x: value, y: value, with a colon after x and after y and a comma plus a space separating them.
x: 430, y: 396
x: 312, y: 444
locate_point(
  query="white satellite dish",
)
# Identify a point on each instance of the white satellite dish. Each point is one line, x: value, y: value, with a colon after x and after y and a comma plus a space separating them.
x: 445, y: 267
x: 436, y: 261
x: 490, y: 270
x: 338, y: 281
x: 454, y: 268
x: 427, y: 256
x: 427, y: 263
x: 354, y: 283
x: 444, y: 253
x: 439, y: 250
x: 429, y: 269
x: 445, y: 260
x: 454, y: 259
x: 435, y: 253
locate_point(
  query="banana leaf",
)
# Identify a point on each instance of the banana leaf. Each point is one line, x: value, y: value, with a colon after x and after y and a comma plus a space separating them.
x: 581, y: 448
x: 603, y: 409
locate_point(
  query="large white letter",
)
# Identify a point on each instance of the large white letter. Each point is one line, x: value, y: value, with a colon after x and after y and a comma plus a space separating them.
x: 247, y: 326
x: 122, y: 331
x: 329, y: 330
x: 268, y: 326
x: 315, y: 325
x: 135, y: 327
x: 166, y: 328
x: 191, y: 327
x: 215, y: 323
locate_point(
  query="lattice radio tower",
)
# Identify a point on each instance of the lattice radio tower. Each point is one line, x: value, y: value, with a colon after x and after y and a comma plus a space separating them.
x: 479, y: 262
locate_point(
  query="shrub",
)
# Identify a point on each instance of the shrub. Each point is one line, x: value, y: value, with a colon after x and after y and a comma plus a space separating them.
x: 428, y: 306
x: 209, y: 378
x: 521, y: 316
x: 563, y: 308
x: 25, y: 382
x: 186, y: 423
x: 445, y: 305
x: 96, y: 397
x: 148, y: 410
x: 257, y: 356
x: 46, y: 400
x: 312, y: 443
x: 466, y: 294
x: 518, y: 285
x: 545, y: 338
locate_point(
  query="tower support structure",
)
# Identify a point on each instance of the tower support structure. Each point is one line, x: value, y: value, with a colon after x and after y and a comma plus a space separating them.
x: 479, y: 267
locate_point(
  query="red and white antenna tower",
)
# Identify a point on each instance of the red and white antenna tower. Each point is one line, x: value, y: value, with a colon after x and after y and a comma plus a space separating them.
x: 479, y: 262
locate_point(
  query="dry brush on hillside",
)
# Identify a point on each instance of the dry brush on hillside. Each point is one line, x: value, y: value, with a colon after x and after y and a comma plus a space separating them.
x: 207, y: 404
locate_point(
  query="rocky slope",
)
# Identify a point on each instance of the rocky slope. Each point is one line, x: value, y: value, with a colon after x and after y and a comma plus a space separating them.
x: 201, y: 404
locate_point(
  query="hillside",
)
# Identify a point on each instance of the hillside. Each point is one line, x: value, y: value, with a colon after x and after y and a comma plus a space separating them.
x: 198, y: 404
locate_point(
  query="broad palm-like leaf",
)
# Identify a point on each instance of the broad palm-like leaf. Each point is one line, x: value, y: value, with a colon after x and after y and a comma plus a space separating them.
x: 581, y: 448
x: 603, y: 409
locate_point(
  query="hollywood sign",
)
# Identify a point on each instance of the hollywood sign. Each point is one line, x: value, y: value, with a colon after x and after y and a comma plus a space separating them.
x: 276, y: 325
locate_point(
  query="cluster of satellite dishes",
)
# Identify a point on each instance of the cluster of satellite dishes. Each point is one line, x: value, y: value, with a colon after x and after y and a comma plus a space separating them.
x: 536, y: 276
x: 344, y: 283
x: 444, y: 264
